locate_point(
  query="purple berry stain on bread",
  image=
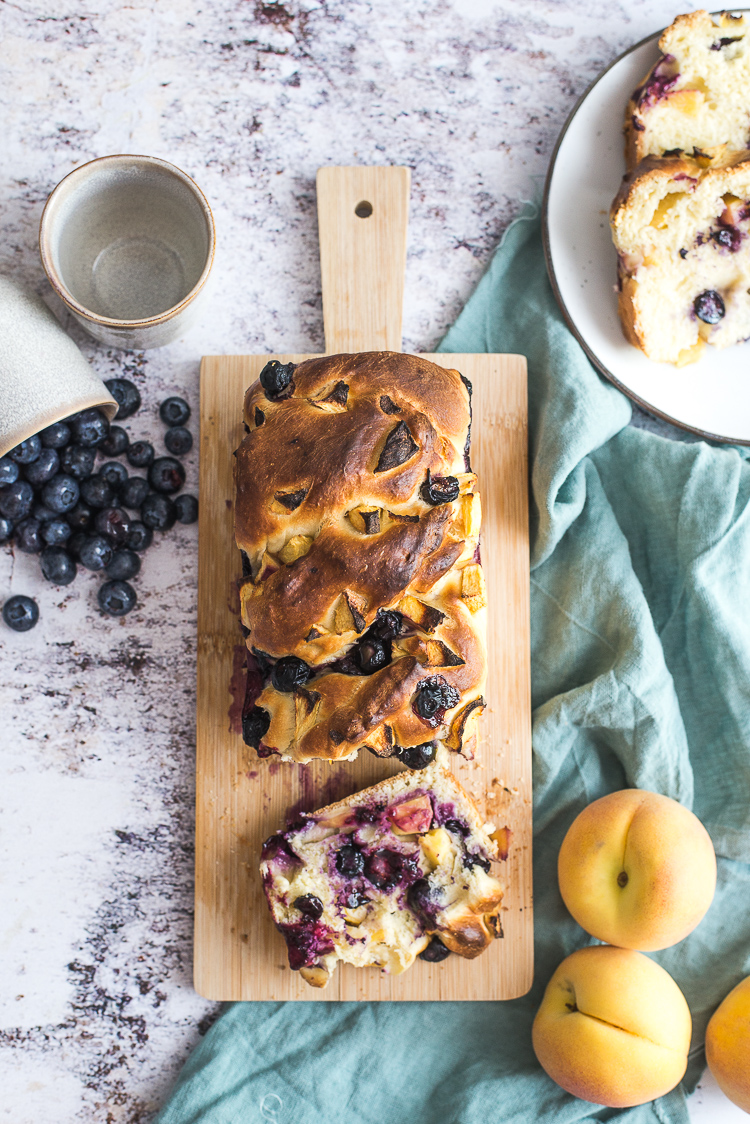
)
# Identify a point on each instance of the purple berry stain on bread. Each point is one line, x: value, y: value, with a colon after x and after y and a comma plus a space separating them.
x: 661, y: 80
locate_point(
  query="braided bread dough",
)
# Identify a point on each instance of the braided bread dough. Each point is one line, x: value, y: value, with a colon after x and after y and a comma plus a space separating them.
x: 354, y: 567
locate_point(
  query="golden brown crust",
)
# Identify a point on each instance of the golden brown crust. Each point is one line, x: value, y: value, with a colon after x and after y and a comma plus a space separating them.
x: 334, y: 535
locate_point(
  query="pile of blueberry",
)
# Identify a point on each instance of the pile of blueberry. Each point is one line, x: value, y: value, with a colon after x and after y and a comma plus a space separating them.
x: 56, y: 502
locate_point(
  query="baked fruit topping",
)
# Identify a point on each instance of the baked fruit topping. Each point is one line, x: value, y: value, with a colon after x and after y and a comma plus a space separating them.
x: 397, y: 871
x: 362, y: 601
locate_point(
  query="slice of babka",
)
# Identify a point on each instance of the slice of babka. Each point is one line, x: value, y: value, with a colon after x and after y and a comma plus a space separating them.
x: 696, y: 98
x: 399, y: 870
x: 682, y: 234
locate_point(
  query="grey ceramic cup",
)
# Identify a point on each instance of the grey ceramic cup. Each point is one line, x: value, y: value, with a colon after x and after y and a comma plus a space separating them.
x: 43, y: 376
x: 128, y: 242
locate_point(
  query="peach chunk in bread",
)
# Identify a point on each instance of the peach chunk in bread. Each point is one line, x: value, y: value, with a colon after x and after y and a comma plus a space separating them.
x: 363, y: 599
x: 396, y: 871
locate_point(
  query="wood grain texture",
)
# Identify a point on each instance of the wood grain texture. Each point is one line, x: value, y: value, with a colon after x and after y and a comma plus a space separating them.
x: 241, y: 800
x: 363, y: 260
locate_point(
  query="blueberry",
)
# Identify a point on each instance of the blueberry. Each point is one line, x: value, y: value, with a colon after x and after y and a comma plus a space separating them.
x: 116, y: 598
x: 472, y: 859
x: 289, y: 672
x: 9, y: 472
x: 126, y: 395
x: 61, y: 494
x: 79, y: 517
x: 353, y: 899
x: 456, y: 827
x: 140, y: 536
x: 56, y: 532
x: 255, y: 726
x: 439, y: 489
x: 115, y: 443
x: 27, y: 451
x: 309, y: 906
x: 57, y: 566
x: 276, y: 378
x: 20, y: 613
x: 158, y: 512
x: 186, y: 507
x: 125, y: 564
x: 6, y: 528
x: 433, y: 699
x: 370, y: 654
x: 28, y: 537
x: 178, y: 440
x: 140, y: 454
x: 386, y: 625
x: 417, y: 756
x: 77, y: 461
x: 349, y: 861
x: 95, y: 553
x: 89, y: 428
x: 435, y: 951
x: 96, y: 492
x: 166, y: 475
x: 428, y: 702
x: 43, y: 513
x: 114, y: 473
x: 420, y: 898
x: 709, y: 307
x: 43, y: 468
x: 56, y: 436
x: 174, y: 411
x: 16, y: 500
x: 384, y: 868
x: 75, y: 542
x: 114, y: 524
x: 134, y: 491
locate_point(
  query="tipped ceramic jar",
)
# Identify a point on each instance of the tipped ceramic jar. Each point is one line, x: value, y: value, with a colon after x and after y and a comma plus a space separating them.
x: 127, y: 242
x: 43, y: 376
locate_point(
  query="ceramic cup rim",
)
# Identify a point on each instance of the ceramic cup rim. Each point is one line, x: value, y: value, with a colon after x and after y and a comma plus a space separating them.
x: 48, y: 219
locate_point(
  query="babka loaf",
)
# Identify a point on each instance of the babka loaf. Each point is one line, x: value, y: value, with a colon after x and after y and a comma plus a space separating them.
x: 398, y: 870
x: 363, y: 600
x: 696, y: 98
x: 681, y: 233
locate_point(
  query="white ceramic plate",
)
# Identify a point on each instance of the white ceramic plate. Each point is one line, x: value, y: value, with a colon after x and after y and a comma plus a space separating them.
x: 710, y: 397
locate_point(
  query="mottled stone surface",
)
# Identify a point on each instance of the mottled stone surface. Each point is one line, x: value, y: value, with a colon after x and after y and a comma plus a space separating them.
x: 98, y: 724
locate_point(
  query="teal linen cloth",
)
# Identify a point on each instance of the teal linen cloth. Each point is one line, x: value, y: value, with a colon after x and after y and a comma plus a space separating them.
x: 640, y: 654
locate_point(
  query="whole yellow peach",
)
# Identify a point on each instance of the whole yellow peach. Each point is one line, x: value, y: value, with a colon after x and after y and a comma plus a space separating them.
x: 637, y: 870
x: 728, y: 1045
x: 613, y: 1027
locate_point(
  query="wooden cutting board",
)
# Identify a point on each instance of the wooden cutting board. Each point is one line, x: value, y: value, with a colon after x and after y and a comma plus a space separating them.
x: 240, y: 799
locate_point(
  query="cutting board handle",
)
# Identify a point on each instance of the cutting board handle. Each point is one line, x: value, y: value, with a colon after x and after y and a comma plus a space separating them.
x: 363, y: 215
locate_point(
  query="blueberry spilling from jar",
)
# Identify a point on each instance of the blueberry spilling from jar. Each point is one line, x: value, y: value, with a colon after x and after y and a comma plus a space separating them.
x: 289, y: 673
x: 276, y: 379
x: 439, y: 489
x: 54, y: 504
x: 709, y: 307
x: 255, y: 726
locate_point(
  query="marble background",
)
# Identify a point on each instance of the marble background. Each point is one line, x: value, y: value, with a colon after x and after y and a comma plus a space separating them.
x: 96, y: 798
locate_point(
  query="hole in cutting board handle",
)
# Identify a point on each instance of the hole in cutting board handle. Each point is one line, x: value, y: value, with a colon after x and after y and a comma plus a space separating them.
x: 363, y: 210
